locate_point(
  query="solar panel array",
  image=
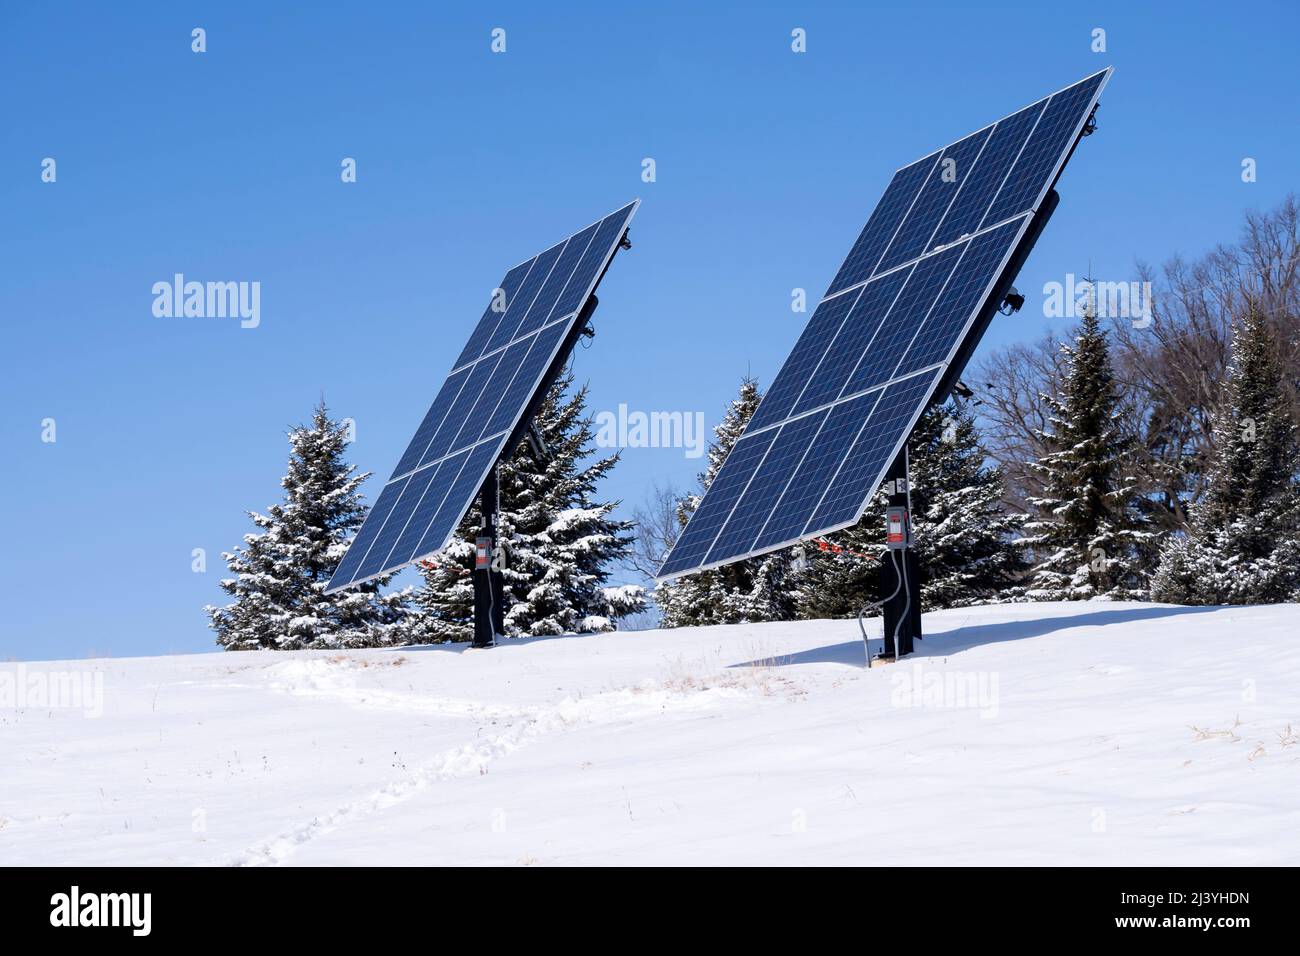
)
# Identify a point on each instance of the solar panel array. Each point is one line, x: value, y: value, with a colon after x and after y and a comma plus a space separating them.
x: 882, y: 337
x: 486, y: 393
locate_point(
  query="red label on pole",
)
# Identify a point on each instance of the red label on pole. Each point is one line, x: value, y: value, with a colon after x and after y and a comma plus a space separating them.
x: 896, y: 528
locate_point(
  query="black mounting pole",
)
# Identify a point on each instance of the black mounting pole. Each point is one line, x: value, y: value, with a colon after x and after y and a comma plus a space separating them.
x: 902, y: 613
x: 489, y: 585
x: 489, y: 554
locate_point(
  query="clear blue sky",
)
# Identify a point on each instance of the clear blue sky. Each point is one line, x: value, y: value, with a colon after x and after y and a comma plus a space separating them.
x: 225, y: 166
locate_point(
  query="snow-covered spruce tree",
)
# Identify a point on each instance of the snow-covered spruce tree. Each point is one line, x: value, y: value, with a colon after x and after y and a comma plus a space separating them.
x: 1087, y: 533
x: 1244, y: 543
x: 281, y: 572
x: 964, y: 538
x: 757, y: 589
x: 561, y: 543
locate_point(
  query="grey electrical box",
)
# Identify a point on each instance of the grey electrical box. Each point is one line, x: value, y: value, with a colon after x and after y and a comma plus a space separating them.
x: 898, y: 532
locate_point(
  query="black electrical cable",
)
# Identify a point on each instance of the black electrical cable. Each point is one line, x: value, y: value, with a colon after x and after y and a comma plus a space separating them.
x: 907, y: 606
x: 898, y: 576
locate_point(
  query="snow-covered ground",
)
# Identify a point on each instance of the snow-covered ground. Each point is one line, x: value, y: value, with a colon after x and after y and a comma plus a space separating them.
x: 1047, y: 733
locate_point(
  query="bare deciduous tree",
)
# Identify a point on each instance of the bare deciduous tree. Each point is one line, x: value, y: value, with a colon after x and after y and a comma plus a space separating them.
x: 1011, y: 383
x: 658, y: 523
x: 1171, y: 369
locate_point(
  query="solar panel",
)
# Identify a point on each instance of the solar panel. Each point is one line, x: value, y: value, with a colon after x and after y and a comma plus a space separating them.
x: 895, y: 318
x: 533, y: 313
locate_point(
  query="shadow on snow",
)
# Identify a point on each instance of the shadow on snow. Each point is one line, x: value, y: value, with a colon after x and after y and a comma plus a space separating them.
x: 943, y: 643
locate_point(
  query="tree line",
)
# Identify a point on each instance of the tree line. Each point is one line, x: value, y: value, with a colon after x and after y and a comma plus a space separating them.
x: 561, y: 547
x: 1113, y: 460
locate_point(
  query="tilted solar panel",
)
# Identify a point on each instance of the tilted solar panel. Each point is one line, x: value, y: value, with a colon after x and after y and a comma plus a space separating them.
x: 895, y: 317
x: 485, y: 395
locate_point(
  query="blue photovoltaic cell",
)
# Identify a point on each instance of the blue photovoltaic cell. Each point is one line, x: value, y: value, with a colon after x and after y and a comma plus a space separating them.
x: 421, y: 513
x: 366, y: 535
x: 534, y: 364
x: 875, y: 235
x: 854, y: 337
x: 870, y: 357
x: 727, y: 486
x: 608, y: 235
x: 492, y: 314
x: 509, y: 366
x: 875, y: 448
x: 814, y: 473
x: 942, y: 327
x: 479, y: 406
x: 525, y: 298
x: 977, y: 192
x: 778, y: 466
x: 416, y: 484
x: 878, y: 364
x: 955, y: 164
x: 444, y: 442
x: 548, y: 296
x: 464, y: 485
x: 1055, y: 133
x: 803, y: 361
x: 433, y: 418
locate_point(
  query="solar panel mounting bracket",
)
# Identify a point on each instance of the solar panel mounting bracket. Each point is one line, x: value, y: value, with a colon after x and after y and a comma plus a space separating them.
x: 489, y: 591
x: 1090, y: 125
x: 538, y: 443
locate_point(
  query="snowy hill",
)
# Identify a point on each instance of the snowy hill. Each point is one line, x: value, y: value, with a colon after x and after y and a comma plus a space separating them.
x: 1047, y: 733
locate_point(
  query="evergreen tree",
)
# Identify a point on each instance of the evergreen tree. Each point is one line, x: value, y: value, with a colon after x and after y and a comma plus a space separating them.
x: 963, y: 536
x: 755, y: 589
x: 282, y: 570
x: 560, y: 543
x: 1244, y: 543
x: 1087, y: 533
